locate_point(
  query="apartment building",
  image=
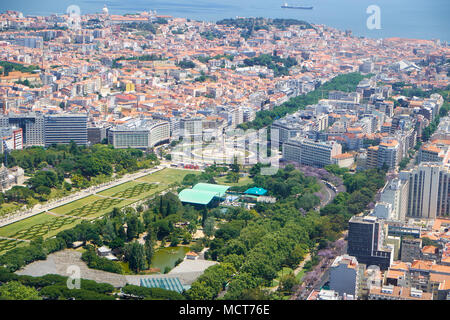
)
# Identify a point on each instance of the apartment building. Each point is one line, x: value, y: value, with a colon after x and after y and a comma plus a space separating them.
x: 311, y: 153
x: 12, y: 138
x: 411, y: 249
x: 389, y: 154
x: 429, y: 191
x: 391, y: 292
x: 386, y: 153
x: 438, y: 150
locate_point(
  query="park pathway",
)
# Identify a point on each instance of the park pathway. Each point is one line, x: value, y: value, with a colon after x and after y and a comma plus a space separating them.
x: 40, y: 208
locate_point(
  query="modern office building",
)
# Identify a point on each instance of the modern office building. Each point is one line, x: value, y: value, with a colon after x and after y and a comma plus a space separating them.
x: 311, y: 153
x: 344, y: 276
x: 429, y: 191
x: 140, y: 134
x: 366, y: 242
x: 64, y: 128
x: 32, y: 125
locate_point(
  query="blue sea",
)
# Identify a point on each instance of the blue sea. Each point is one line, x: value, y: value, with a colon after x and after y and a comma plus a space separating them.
x: 421, y: 19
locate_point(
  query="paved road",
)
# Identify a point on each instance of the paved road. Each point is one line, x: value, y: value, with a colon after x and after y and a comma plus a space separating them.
x: 330, y: 194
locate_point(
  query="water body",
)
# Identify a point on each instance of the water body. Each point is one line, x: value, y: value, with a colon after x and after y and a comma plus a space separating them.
x: 421, y: 19
x: 166, y: 257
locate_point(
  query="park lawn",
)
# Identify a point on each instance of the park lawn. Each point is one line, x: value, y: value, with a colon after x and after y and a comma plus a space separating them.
x: 100, y: 213
x: 133, y: 190
x: 47, y: 225
x: 283, y: 272
x: 300, y: 275
x: 242, y: 181
x: 11, y: 229
x: 167, y: 176
x: 121, y: 187
x: 65, y: 209
x: 62, y: 228
x: 6, y: 245
x: 94, y: 208
x: 43, y: 224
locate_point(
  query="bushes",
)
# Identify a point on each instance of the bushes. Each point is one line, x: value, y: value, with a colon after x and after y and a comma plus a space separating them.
x: 54, y: 286
x: 211, y: 282
x: 53, y: 245
x: 44, y: 281
x: 62, y: 292
x: 95, y: 262
x: 19, y: 257
x: 151, y: 293
x: 14, y: 290
x: 101, y: 288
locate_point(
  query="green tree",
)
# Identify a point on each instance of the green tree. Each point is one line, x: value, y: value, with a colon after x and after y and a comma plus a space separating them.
x: 209, y: 227
x: 149, y: 250
x: 14, y: 290
x: 135, y: 255
x: 287, y: 282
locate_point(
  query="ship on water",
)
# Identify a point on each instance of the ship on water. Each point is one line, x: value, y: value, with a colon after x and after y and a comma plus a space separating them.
x: 287, y: 6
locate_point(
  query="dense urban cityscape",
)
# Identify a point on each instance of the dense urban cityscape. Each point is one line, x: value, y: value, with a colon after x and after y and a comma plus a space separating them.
x: 146, y: 156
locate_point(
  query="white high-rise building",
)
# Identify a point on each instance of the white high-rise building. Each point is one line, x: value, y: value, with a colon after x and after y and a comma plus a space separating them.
x: 429, y: 191
x: 395, y: 193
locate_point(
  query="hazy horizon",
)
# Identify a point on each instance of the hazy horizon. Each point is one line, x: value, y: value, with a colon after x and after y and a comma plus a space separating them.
x: 399, y: 18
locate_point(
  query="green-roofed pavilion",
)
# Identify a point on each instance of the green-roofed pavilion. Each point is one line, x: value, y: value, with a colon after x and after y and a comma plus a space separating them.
x: 217, y: 188
x: 256, y: 191
x: 197, y: 196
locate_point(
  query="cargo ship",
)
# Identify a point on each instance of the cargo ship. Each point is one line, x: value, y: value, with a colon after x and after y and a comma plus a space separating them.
x: 286, y: 6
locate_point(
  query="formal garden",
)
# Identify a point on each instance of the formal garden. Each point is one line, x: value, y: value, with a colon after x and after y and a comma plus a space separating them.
x: 50, y: 223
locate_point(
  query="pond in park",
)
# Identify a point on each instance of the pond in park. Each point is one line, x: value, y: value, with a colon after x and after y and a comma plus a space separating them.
x: 166, y: 257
